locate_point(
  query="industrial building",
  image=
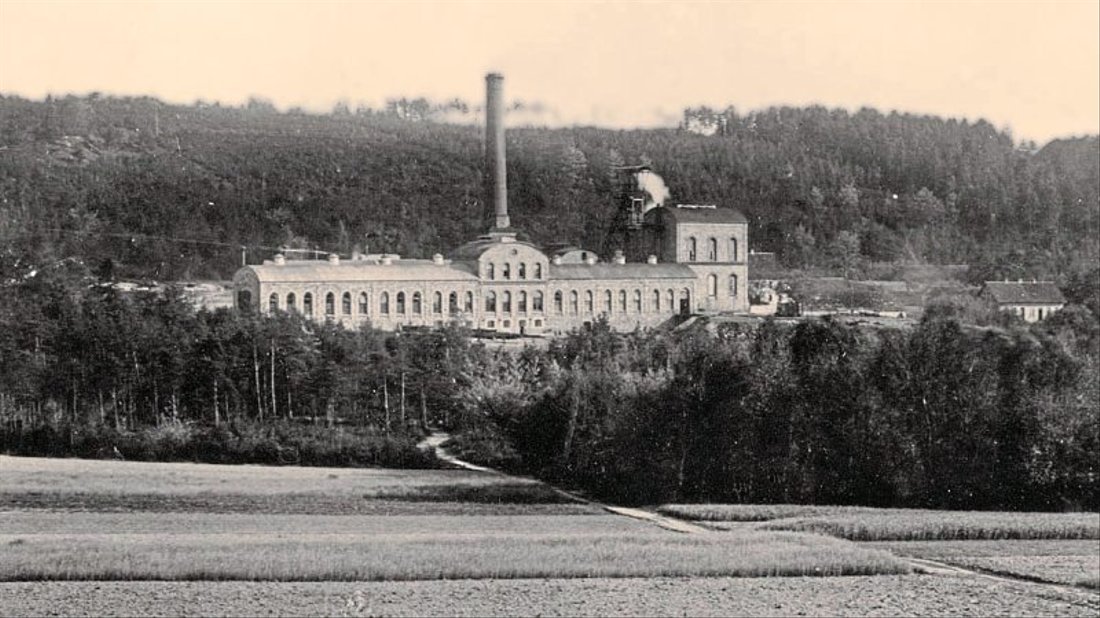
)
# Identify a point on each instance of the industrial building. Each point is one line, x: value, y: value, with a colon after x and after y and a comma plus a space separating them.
x: 674, y: 260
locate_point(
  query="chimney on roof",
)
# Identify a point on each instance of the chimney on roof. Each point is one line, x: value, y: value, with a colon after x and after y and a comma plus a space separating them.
x: 333, y: 258
x: 496, y: 182
x: 280, y: 259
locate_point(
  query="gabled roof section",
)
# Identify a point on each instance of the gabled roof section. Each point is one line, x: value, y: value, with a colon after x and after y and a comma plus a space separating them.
x: 700, y: 214
x: 1023, y: 293
x: 584, y: 272
x: 317, y: 271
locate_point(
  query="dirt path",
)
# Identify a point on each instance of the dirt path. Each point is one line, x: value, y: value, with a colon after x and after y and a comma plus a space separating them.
x: 438, y: 438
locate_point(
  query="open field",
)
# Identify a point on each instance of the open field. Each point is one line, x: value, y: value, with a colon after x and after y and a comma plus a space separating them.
x: 246, y: 540
x: 314, y: 555
x: 868, y: 524
x: 1073, y: 563
x: 40, y: 474
x: 889, y: 595
x: 127, y: 521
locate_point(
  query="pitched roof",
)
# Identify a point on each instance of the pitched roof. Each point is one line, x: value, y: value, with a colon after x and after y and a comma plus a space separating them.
x: 571, y: 272
x: 690, y: 214
x: 360, y: 270
x: 1023, y: 293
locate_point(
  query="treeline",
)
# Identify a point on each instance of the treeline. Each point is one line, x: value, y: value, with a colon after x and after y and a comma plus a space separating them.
x: 944, y: 415
x: 108, y: 179
x: 85, y: 370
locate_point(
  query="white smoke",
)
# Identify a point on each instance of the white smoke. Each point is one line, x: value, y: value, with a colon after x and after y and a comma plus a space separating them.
x: 655, y: 188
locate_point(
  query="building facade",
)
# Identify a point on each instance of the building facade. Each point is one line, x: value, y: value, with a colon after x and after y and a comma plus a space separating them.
x: 1032, y: 301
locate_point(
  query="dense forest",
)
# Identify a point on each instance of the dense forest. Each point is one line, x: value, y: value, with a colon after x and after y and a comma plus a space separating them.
x: 944, y: 415
x: 109, y: 180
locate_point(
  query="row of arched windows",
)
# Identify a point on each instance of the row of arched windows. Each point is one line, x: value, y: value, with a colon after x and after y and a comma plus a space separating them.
x: 402, y: 303
x: 506, y: 270
x: 711, y: 249
x: 574, y: 302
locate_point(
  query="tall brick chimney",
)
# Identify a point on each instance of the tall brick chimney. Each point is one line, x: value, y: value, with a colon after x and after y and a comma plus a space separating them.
x: 496, y: 181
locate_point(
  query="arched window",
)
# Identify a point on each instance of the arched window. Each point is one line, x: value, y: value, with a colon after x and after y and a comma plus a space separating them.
x: 437, y: 302
x: 345, y: 303
x: 491, y: 302
x: 687, y: 297
x: 521, y: 300
x: 418, y: 306
x: 589, y: 302
x: 364, y: 303
x: 469, y: 302
x: 712, y: 285
x: 401, y: 303
x: 273, y: 303
x: 733, y: 286
x: 522, y: 270
x: 608, y: 302
x: 307, y: 303
x: 573, y: 303
x: 290, y: 301
x: 538, y: 270
x: 536, y: 302
x: 733, y: 249
x: 330, y: 304
x: 657, y: 301
x: 691, y: 249
x: 506, y: 302
x: 506, y: 270
x: 384, y: 303
x: 492, y: 270
x: 638, y: 301
x: 244, y: 300
x: 671, y: 300
x: 712, y: 249
x: 452, y: 302
x: 622, y: 301
x: 557, y: 302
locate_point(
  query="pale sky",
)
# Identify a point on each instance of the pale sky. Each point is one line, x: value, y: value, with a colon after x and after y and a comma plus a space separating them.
x: 1031, y: 67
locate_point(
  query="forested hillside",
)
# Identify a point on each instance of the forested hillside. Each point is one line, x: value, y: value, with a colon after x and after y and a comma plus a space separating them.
x: 103, y: 179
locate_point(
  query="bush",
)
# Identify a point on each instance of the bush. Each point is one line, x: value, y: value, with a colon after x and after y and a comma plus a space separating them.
x: 238, y: 443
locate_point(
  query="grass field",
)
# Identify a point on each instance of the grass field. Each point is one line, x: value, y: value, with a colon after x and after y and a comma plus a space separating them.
x: 90, y: 520
x: 869, y: 524
x: 316, y: 556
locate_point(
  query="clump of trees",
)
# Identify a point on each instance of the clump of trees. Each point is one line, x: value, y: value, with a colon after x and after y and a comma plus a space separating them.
x: 87, y: 370
x: 945, y: 415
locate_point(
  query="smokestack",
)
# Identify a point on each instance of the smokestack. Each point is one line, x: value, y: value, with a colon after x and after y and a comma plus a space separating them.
x: 496, y: 183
